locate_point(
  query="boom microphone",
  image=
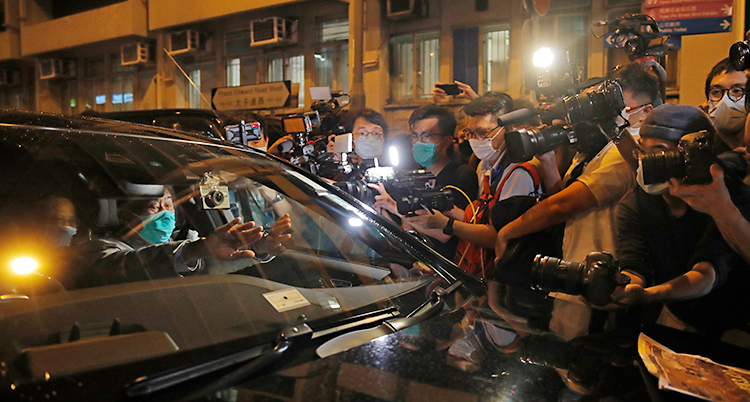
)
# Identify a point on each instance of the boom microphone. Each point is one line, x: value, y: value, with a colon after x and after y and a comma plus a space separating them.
x: 515, y: 117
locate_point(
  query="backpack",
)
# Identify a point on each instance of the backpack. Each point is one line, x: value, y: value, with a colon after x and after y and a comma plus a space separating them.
x: 475, y: 259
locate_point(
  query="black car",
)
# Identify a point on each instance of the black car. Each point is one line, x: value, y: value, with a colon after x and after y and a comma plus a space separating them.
x: 351, y: 308
x: 94, y: 307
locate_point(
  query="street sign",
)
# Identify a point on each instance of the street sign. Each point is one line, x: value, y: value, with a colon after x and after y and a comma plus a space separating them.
x: 257, y: 96
x: 692, y: 11
x: 696, y: 26
x: 662, y: 3
x: 689, y: 17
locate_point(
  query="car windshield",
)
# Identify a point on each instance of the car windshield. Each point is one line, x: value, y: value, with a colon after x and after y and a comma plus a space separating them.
x: 87, y: 256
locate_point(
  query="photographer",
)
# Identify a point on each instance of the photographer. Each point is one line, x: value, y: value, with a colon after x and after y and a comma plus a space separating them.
x: 369, y: 133
x: 432, y: 130
x: 592, y: 187
x: 500, y: 179
x: 656, y: 228
x: 725, y: 104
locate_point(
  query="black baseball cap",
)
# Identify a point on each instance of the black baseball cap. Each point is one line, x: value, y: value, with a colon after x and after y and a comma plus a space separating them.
x: 671, y: 122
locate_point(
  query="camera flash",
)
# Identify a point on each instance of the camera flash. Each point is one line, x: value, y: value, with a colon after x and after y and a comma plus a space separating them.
x: 543, y: 57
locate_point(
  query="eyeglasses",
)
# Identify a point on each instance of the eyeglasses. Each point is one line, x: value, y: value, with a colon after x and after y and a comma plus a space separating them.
x: 478, y: 133
x: 365, y: 134
x: 633, y: 109
x: 735, y: 93
x: 423, y: 137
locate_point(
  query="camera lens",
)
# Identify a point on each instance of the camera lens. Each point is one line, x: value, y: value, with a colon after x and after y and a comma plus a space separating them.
x: 601, y: 105
x: 659, y: 167
x: 554, y: 274
x: 738, y: 56
x: 523, y: 144
x: 214, y: 198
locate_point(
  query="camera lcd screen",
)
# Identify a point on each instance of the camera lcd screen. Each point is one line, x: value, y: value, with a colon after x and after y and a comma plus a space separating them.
x: 295, y: 125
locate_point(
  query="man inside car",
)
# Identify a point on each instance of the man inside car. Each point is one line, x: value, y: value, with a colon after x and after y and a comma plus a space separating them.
x: 143, y: 250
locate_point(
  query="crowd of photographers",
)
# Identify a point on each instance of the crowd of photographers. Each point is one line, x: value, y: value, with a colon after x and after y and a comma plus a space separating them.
x: 626, y: 209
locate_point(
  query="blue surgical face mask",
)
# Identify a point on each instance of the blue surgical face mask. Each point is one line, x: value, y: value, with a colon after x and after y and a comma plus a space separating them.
x: 424, y: 153
x: 157, y: 228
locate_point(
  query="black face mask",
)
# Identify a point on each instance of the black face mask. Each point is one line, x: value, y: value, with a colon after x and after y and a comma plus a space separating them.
x: 465, y: 148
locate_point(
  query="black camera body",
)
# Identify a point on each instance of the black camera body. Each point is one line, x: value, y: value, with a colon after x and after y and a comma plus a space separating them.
x: 243, y: 133
x: 691, y: 163
x: 595, y: 278
x: 412, y: 190
x: 739, y: 55
x: 594, y: 107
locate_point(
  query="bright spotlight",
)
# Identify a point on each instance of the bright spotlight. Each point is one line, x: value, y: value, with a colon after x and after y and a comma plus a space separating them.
x: 355, y: 222
x: 393, y: 152
x: 543, y: 57
x: 24, y: 265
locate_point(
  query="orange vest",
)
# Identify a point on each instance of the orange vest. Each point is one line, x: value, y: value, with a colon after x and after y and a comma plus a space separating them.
x: 475, y: 259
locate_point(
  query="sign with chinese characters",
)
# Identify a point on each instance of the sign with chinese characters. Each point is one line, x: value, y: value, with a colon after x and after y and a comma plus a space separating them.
x: 689, y: 17
x: 257, y: 96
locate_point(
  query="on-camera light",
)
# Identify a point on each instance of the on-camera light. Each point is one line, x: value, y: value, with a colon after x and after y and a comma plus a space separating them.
x: 393, y: 153
x: 543, y: 57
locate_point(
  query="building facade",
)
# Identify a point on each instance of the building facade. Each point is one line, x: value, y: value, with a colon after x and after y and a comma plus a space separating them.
x: 70, y: 56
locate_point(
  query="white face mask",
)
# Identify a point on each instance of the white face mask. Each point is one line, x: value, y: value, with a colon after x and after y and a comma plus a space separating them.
x: 635, y: 131
x: 728, y: 116
x: 264, y: 148
x: 483, y: 149
x: 653, y: 189
x: 626, y: 115
x: 369, y: 147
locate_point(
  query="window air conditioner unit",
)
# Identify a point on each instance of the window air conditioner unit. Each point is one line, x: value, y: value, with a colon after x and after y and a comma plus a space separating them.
x: 405, y: 9
x: 274, y: 30
x: 186, y: 42
x: 9, y: 78
x: 135, y: 53
x: 56, y: 68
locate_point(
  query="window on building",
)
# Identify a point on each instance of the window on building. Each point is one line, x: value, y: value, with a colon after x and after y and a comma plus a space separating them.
x: 415, y: 65
x: 95, y: 71
x: 242, y: 71
x: 123, y: 78
x: 496, y: 58
x: 194, y: 95
x: 291, y: 68
x: 234, y: 76
x: 332, y: 56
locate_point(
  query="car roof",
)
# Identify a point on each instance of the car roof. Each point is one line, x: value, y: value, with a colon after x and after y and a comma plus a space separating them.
x: 53, y: 120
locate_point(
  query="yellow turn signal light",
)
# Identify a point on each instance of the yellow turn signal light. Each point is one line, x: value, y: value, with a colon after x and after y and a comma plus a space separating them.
x: 24, y: 265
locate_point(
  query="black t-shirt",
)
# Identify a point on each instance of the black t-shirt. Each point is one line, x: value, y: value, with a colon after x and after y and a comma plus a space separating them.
x: 661, y: 247
x: 463, y: 177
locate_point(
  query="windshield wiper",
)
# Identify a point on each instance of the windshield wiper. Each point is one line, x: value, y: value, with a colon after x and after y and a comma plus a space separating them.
x: 430, y: 308
x: 254, y: 359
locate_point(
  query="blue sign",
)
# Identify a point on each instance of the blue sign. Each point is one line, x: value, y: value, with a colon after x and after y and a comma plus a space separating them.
x: 696, y: 26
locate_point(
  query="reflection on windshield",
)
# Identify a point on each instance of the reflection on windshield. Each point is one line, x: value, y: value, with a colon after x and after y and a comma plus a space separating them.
x: 155, y: 235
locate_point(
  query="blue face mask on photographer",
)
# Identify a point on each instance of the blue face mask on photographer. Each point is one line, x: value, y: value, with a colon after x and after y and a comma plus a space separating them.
x: 157, y: 228
x: 424, y: 153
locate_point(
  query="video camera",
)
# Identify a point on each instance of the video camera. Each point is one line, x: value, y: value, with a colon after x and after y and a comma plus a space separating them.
x: 738, y: 55
x: 243, y: 133
x: 638, y: 34
x: 595, y: 278
x: 580, y: 112
x: 412, y: 190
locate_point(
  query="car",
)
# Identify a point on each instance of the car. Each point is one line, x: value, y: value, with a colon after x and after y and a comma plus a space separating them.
x: 351, y: 308
x: 82, y: 312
